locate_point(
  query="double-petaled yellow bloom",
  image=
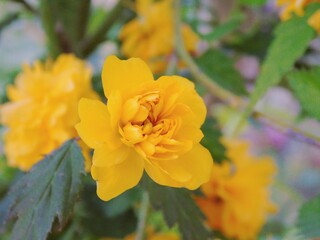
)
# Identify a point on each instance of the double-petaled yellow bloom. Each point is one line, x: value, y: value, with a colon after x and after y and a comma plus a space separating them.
x: 297, y: 7
x: 146, y: 125
x: 42, y: 110
x: 236, y: 198
x: 150, y: 36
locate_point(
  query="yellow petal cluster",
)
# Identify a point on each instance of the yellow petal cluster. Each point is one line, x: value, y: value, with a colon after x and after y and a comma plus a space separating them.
x: 151, y: 235
x: 236, y: 199
x: 146, y: 125
x: 314, y: 21
x: 157, y: 236
x: 42, y: 108
x: 150, y: 36
x: 297, y: 7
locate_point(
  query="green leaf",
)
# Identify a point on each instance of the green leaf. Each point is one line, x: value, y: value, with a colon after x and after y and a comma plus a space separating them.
x: 179, y: 208
x: 221, y: 69
x: 308, y: 223
x: 48, y: 191
x: 306, y: 86
x: 6, y: 78
x: 291, y: 40
x: 115, y: 218
x: 211, y: 140
x: 253, y: 2
x: 225, y: 28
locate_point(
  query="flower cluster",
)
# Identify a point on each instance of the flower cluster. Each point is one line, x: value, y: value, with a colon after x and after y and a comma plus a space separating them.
x: 236, y: 199
x: 152, y: 235
x: 147, y: 124
x: 297, y: 7
x: 150, y: 36
x: 42, y: 110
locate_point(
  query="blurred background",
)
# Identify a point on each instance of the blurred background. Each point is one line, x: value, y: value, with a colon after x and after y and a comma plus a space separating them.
x: 244, y: 40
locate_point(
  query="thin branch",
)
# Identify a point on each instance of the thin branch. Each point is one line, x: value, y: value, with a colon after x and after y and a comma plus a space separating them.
x: 199, y: 76
x: 290, y: 131
x: 84, y: 12
x: 27, y: 6
x: 49, y: 26
x: 225, y: 95
x: 142, y: 218
x: 7, y: 20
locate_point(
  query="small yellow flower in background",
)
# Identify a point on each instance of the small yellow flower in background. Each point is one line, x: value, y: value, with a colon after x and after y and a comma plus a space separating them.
x: 151, y: 235
x: 314, y: 21
x: 147, y: 124
x: 236, y: 199
x: 42, y: 110
x: 297, y: 7
x: 150, y: 36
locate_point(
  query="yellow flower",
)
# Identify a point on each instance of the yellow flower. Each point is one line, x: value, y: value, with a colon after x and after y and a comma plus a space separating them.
x: 157, y: 236
x: 297, y: 7
x: 42, y: 110
x: 150, y: 36
x: 147, y: 124
x: 314, y: 21
x: 151, y: 235
x: 236, y: 198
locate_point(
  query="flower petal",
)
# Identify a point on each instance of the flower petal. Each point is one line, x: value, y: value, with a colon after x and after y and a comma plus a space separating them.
x: 159, y: 176
x: 124, y: 75
x: 104, y: 156
x: 112, y: 181
x: 187, y: 95
x: 197, y: 163
x: 95, y: 128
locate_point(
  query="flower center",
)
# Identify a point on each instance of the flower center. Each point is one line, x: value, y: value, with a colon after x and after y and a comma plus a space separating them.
x: 146, y: 124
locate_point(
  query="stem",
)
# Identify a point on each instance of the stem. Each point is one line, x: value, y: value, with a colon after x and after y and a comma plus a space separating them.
x: 84, y: 11
x: 48, y: 22
x: 7, y: 20
x: 199, y: 76
x: 225, y: 95
x: 26, y: 5
x: 143, y: 213
x: 91, y: 42
x: 290, y: 131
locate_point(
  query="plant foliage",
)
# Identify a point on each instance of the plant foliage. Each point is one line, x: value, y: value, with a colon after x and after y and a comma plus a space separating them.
x: 48, y: 191
x: 306, y: 86
x: 288, y: 45
x: 179, y: 208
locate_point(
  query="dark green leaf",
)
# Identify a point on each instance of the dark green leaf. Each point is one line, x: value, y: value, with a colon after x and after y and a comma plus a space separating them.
x: 114, y: 218
x: 291, y: 40
x: 48, y: 191
x: 308, y: 224
x: 211, y: 140
x: 179, y: 208
x: 221, y: 69
x: 306, y: 86
x: 224, y: 29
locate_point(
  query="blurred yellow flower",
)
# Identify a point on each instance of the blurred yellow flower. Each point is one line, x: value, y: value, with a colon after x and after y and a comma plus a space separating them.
x: 147, y: 124
x: 236, y: 199
x: 150, y: 36
x: 297, y: 7
x: 314, y: 21
x: 42, y: 110
x: 151, y: 235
